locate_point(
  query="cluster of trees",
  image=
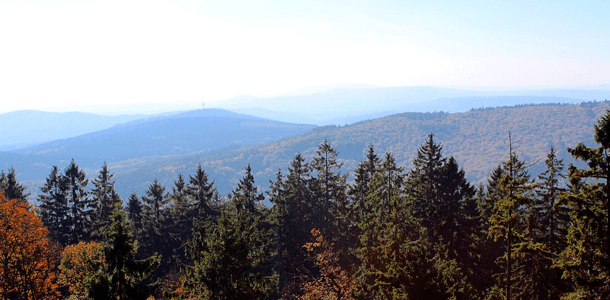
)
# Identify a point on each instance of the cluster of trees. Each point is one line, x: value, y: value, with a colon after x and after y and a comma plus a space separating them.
x: 426, y: 233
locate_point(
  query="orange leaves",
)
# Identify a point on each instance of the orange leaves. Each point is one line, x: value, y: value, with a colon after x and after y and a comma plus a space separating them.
x: 78, y: 263
x: 26, y: 258
x: 334, y: 282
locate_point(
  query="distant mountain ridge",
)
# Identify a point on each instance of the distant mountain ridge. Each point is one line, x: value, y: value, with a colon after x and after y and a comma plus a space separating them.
x: 183, y: 133
x: 225, y: 142
x: 478, y: 139
x: 350, y: 105
x: 24, y: 128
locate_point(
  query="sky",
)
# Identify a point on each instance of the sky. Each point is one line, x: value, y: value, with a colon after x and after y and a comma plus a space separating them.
x: 60, y: 54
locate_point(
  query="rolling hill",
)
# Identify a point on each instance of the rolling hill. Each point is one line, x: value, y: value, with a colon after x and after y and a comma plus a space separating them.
x: 225, y: 143
x: 478, y: 139
x: 148, y: 139
x: 26, y: 128
x: 349, y: 105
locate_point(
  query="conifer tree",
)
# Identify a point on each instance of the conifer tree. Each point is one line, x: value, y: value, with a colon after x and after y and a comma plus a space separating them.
x: 11, y: 187
x: 79, y: 202
x: 155, y: 223
x: 442, y: 199
x: 231, y: 253
x: 180, y: 212
x: 362, y: 181
x: 179, y: 223
x: 511, y: 223
x: 586, y: 258
x: 104, y: 197
x: 425, y: 182
x: 121, y: 275
x: 554, y: 215
x: 54, y: 207
x: 134, y: 214
x: 330, y: 189
x: 294, y: 218
x: 202, y: 193
x: 358, y: 192
x: 397, y: 258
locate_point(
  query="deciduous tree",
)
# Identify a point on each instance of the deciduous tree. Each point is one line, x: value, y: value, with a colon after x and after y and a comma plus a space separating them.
x: 27, y: 259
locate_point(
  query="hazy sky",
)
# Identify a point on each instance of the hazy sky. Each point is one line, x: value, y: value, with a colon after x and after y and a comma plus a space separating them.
x: 64, y: 53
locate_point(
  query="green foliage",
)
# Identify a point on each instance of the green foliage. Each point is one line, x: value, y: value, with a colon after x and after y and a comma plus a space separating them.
x: 104, y: 197
x: 586, y: 259
x: 79, y: 202
x: 11, y: 187
x: 121, y: 275
x: 231, y: 253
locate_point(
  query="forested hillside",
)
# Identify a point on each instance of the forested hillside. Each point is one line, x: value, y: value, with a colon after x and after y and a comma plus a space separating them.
x: 147, y: 140
x: 478, y: 139
x: 392, y: 233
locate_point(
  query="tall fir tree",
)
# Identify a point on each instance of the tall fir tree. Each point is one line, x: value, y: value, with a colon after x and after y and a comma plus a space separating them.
x: 397, y: 258
x: 80, y: 214
x: 104, y: 197
x: 11, y: 187
x: 54, y: 207
x: 586, y: 259
x: 549, y: 225
x: 155, y: 217
x: 203, y: 194
x: 121, y: 276
x: 294, y: 218
x: 134, y: 214
x: 424, y: 184
x: 180, y: 223
x: 330, y: 191
x: 511, y: 222
x: 231, y: 253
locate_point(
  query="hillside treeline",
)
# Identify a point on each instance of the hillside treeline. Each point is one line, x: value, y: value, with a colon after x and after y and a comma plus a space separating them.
x: 478, y: 139
x: 425, y: 233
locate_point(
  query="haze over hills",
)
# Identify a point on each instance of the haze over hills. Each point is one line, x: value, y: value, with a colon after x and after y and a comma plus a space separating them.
x: 478, y: 139
x: 20, y: 129
x: 141, y: 151
x: 349, y: 105
x: 143, y: 140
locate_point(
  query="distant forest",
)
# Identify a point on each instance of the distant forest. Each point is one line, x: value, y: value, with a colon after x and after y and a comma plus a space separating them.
x: 390, y: 233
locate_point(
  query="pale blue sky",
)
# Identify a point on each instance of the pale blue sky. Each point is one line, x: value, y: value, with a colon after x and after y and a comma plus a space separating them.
x: 65, y: 53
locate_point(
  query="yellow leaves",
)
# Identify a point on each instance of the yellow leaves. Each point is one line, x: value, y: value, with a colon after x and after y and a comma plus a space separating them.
x: 78, y: 262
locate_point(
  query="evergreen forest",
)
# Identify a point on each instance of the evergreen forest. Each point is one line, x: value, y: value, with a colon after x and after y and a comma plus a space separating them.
x: 388, y: 233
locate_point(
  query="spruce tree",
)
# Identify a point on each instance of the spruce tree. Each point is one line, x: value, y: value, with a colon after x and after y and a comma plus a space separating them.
x: 104, y: 197
x: 511, y: 223
x: 202, y: 193
x: 424, y: 184
x: 359, y: 192
x: 80, y: 204
x: 11, y: 187
x: 155, y: 223
x: 550, y: 225
x: 231, y: 253
x: 294, y: 218
x: 330, y: 189
x: 54, y: 207
x: 134, y: 214
x: 180, y: 223
x: 121, y: 275
x: 397, y: 258
x: 586, y: 258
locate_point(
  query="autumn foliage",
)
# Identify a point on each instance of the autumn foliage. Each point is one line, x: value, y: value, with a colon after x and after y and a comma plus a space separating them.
x: 27, y: 259
x: 78, y: 263
x: 333, y: 282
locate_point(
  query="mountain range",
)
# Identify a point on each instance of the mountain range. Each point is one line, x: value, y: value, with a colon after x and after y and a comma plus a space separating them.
x: 224, y: 143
